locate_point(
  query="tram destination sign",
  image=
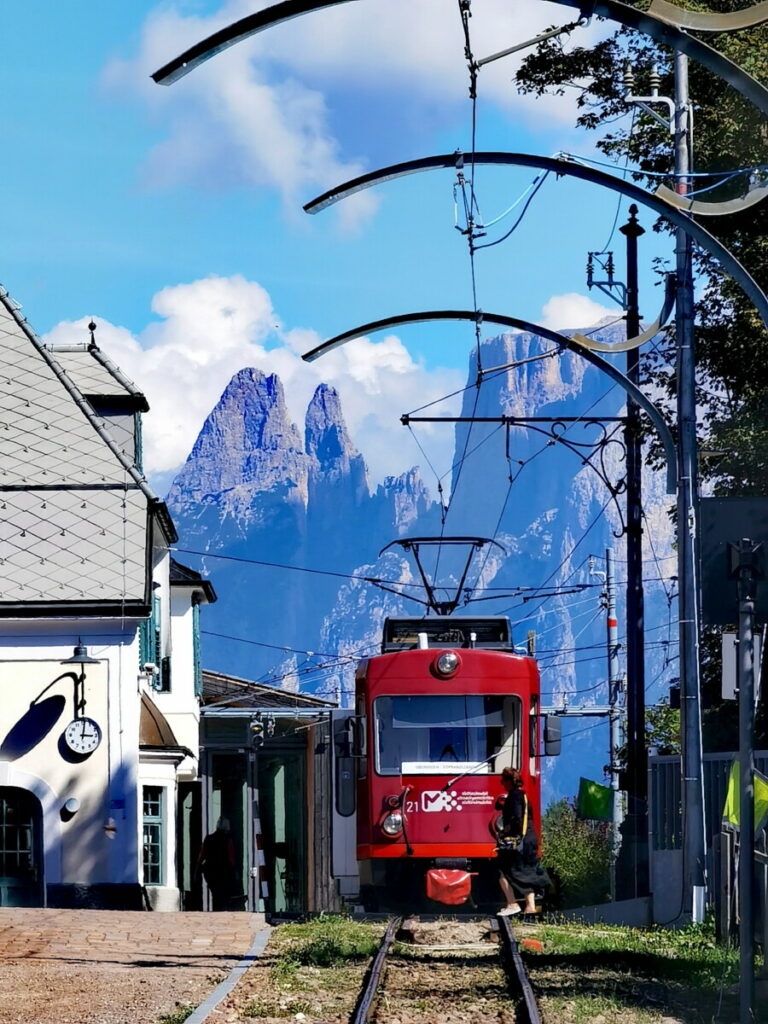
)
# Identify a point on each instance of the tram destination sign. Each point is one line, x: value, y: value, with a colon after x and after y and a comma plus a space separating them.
x: 725, y: 521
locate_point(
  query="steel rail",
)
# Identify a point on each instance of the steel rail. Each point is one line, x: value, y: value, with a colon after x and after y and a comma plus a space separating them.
x: 519, y: 982
x: 561, y: 340
x: 234, y: 33
x: 560, y: 167
x: 367, y: 995
x: 678, y: 39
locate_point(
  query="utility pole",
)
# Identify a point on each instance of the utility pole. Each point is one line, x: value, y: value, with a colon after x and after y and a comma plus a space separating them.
x: 694, y: 832
x: 635, y: 873
x: 746, y: 565
x: 614, y: 713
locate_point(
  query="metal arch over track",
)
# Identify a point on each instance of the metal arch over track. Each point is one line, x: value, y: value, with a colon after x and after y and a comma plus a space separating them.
x: 561, y: 340
x: 234, y: 33
x: 749, y: 17
x: 560, y: 167
x: 671, y: 35
x: 661, y: 31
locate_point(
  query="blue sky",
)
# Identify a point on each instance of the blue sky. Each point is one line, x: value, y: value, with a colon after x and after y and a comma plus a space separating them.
x: 173, y: 215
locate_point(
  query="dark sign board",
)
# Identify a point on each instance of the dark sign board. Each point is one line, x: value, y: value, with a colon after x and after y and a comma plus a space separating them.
x: 724, y: 521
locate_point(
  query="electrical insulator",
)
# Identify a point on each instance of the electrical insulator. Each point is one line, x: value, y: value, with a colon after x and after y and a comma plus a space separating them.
x: 654, y: 79
x: 590, y: 269
x: 629, y: 78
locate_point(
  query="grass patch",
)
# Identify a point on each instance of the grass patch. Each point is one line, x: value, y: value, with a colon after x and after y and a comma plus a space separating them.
x: 621, y: 975
x: 276, y: 1008
x: 689, y: 953
x: 328, y: 941
x: 177, y: 1016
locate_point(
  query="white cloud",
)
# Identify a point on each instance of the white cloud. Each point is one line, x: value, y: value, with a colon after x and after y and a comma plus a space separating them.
x: 573, y: 311
x: 211, y: 328
x: 257, y: 113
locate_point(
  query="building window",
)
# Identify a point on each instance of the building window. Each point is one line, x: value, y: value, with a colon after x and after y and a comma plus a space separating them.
x: 154, y: 834
x: 151, y: 646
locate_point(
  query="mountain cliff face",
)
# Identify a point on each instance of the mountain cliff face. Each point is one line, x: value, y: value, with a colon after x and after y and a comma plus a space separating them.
x: 251, y: 489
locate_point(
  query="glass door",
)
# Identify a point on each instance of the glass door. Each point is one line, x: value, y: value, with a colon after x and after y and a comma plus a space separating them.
x: 21, y: 876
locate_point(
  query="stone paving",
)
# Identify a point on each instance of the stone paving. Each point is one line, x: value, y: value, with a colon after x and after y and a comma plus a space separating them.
x: 109, y: 967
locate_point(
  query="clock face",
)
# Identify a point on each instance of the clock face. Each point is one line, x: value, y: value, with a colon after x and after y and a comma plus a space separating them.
x: 82, y: 735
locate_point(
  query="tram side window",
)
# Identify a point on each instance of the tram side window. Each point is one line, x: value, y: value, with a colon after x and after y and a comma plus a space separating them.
x: 435, y: 734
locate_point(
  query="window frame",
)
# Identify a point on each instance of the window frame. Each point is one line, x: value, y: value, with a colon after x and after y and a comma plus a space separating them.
x: 517, y: 731
x: 157, y: 824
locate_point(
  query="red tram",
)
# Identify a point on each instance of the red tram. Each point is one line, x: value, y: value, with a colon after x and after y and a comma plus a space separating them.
x: 444, y: 708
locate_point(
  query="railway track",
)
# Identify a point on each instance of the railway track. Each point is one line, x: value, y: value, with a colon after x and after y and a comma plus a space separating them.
x: 481, y: 975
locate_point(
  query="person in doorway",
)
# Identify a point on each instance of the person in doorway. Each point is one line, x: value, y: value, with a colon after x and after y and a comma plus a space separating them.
x: 217, y: 863
x: 521, y: 876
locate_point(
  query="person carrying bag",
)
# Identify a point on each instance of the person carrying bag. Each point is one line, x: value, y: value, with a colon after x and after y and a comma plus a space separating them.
x: 521, y: 876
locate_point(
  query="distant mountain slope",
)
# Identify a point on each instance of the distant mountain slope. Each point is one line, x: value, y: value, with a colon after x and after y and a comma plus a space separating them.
x: 253, y: 489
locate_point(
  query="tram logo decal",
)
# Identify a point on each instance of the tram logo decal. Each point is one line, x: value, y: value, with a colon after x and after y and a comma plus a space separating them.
x: 437, y: 800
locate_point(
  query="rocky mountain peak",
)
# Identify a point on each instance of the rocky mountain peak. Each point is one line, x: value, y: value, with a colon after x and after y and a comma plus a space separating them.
x: 408, y: 498
x: 248, y: 440
x: 334, y: 460
x: 325, y: 433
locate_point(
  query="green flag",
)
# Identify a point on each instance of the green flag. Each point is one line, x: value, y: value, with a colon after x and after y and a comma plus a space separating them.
x: 594, y: 801
x: 732, y: 809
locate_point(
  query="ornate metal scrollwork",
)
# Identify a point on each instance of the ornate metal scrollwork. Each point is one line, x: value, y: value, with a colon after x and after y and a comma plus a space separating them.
x: 592, y: 453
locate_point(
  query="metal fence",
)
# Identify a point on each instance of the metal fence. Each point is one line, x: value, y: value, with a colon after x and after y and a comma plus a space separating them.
x: 666, y: 795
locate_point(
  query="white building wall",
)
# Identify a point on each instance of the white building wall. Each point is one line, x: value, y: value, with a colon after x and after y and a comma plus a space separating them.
x: 181, y: 706
x: 78, y: 848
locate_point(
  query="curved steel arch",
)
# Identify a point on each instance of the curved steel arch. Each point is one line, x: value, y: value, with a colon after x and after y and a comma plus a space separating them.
x: 671, y: 35
x: 657, y: 29
x: 703, y: 209
x: 234, y: 33
x: 559, y: 167
x: 699, y: 21
x: 661, y: 31
x: 561, y: 340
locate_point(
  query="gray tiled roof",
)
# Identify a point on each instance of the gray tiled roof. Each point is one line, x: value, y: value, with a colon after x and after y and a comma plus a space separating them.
x: 73, y: 509
x: 88, y: 374
x: 242, y: 693
x: 94, y: 373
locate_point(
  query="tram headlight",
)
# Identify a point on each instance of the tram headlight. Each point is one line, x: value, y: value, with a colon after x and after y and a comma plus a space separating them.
x: 448, y: 663
x: 392, y: 825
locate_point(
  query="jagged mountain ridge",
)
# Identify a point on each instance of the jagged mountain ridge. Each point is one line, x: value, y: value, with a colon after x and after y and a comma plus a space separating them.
x: 251, y: 489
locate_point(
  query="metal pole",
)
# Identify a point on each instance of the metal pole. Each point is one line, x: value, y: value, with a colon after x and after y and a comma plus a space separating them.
x: 694, y: 832
x: 636, y: 828
x: 745, y: 559
x: 614, y: 714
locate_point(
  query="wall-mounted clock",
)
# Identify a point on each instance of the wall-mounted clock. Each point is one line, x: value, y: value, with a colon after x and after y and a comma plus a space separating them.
x: 82, y: 735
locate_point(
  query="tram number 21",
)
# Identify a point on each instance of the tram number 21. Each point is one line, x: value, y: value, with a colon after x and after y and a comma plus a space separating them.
x: 411, y: 806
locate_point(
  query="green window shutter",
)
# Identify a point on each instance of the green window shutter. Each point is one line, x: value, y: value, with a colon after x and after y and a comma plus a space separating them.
x: 146, y: 641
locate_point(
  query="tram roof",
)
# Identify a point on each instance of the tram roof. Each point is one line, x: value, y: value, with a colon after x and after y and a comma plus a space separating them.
x: 491, y: 632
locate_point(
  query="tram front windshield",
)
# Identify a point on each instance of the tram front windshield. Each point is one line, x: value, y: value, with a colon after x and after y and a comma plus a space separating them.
x: 440, y: 735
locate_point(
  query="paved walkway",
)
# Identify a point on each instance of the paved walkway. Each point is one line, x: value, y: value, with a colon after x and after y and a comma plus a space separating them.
x: 113, y: 966
x: 127, y: 938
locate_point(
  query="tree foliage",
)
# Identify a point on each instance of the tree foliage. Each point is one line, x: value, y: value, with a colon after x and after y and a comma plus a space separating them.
x: 578, y: 854
x: 729, y: 133
x: 731, y: 341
